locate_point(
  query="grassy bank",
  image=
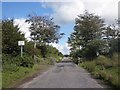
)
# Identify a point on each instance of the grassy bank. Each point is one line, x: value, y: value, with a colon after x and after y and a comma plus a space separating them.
x: 104, y: 68
x: 15, y: 69
x: 10, y: 79
x: 0, y: 80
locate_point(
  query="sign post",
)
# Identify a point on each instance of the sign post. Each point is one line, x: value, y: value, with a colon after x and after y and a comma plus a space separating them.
x: 21, y: 43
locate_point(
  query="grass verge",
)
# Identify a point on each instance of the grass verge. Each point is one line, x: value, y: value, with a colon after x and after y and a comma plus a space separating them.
x: 12, y: 79
x: 0, y: 80
x: 105, y: 69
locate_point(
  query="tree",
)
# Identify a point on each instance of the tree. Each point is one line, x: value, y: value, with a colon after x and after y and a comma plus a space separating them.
x: 112, y: 37
x: 87, y: 35
x: 10, y: 37
x: 43, y: 31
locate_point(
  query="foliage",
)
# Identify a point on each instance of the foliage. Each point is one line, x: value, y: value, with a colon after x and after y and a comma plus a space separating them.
x: 50, y: 61
x: 104, y: 61
x: 114, y: 44
x: 111, y: 37
x: 6, y: 58
x: 89, y: 66
x: 25, y: 61
x: 10, y: 37
x: 87, y: 35
x: 10, y: 67
x: 115, y: 58
x: 49, y: 51
x: 104, y: 68
x: 43, y: 29
x: 30, y: 50
x: 15, y: 68
x: 12, y: 78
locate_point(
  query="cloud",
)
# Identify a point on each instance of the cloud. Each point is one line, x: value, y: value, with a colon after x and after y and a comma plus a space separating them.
x: 64, y: 49
x: 66, y: 12
x: 24, y: 27
x: 107, y: 9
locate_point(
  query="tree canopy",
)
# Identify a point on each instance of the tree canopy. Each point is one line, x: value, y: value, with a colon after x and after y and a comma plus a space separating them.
x: 87, y: 33
x: 43, y: 29
x: 92, y: 37
x: 10, y: 37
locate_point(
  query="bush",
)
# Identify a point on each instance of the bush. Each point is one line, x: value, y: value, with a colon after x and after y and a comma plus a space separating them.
x: 114, y: 76
x: 115, y: 61
x: 89, y: 65
x: 115, y: 81
x: 25, y: 61
x: 97, y: 71
x: 104, y: 68
x: 75, y: 60
x: 59, y: 59
x: 104, y: 61
x: 50, y: 61
x: 6, y: 59
x: 10, y: 67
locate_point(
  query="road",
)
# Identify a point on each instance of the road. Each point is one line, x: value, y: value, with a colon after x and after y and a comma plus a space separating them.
x: 63, y: 75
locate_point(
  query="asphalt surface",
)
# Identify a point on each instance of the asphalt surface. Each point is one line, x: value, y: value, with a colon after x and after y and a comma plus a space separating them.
x: 63, y: 75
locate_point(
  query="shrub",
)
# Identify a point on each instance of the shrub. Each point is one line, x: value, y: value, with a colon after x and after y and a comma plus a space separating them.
x: 103, y: 74
x: 75, y: 60
x: 114, y: 76
x: 10, y: 68
x: 114, y: 80
x: 6, y: 58
x: 104, y: 61
x: 39, y: 60
x: 89, y: 65
x: 49, y: 61
x: 59, y: 59
x: 115, y: 61
x: 104, y: 68
x: 25, y: 61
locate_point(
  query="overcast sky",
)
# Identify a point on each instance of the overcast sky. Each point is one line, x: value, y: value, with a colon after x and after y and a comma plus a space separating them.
x: 63, y: 12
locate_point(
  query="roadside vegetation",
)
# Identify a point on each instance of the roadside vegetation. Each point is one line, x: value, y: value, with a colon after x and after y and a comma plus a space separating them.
x: 105, y: 68
x: 94, y: 46
x: 38, y: 54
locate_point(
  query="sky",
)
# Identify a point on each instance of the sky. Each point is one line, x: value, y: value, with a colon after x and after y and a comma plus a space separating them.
x: 63, y: 12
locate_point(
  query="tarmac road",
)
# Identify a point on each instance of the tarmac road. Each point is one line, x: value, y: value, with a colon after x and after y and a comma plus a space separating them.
x: 63, y: 75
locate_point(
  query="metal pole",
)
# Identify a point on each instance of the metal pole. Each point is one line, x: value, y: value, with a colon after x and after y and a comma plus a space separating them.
x: 21, y: 50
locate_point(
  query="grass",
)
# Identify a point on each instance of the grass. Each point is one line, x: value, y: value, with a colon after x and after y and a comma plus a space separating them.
x: 10, y: 79
x: 105, y: 69
x: 17, y: 69
x: 0, y: 80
